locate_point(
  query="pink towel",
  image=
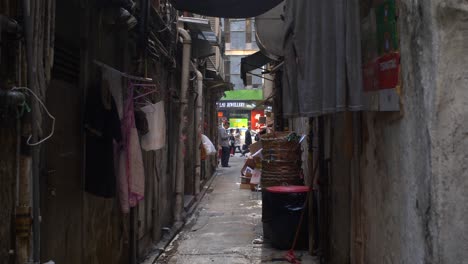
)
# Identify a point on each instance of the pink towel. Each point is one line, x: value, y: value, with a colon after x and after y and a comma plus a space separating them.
x: 135, y: 169
x: 132, y: 175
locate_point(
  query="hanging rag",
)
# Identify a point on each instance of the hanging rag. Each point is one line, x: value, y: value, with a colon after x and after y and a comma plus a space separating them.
x: 114, y: 80
x: 156, y: 136
x: 134, y: 161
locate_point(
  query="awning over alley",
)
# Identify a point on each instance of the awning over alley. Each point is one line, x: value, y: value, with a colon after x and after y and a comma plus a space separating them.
x: 226, y: 8
x: 252, y: 62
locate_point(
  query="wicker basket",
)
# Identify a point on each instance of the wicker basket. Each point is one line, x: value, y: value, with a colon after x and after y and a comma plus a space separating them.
x: 283, y: 141
x: 281, y: 164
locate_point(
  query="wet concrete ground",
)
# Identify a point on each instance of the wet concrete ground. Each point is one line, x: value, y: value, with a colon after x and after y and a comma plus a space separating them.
x: 224, y: 226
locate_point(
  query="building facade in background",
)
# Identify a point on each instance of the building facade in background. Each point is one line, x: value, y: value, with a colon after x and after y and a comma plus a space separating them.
x: 240, y: 42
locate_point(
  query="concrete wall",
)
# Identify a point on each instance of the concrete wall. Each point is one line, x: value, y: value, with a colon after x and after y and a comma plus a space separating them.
x: 395, y: 177
x: 339, y: 182
x: 448, y: 131
x: 412, y: 202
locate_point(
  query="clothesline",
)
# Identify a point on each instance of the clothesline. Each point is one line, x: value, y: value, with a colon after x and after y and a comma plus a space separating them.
x: 126, y: 75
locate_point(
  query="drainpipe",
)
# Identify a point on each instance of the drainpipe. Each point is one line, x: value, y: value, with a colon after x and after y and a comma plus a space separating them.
x: 10, y: 101
x: 29, y: 172
x: 181, y: 149
x: 198, y: 125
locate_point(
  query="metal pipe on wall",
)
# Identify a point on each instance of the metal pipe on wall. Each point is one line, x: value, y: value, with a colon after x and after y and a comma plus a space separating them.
x: 34, y: 178
x: 198, y: 126
x: 179, y: 201
x: 23, y: 195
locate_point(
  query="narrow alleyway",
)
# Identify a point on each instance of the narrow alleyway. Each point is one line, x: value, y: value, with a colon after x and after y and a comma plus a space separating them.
x: 223, y: 228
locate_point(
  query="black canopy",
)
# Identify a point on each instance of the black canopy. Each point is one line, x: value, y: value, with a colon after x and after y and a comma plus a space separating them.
x: 226, y: 8
x: 252, y: 62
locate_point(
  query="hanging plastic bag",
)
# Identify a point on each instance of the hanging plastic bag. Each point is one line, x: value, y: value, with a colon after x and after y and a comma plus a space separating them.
x: 208, y: 145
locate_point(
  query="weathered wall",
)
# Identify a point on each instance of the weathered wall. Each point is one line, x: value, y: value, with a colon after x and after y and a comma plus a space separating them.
x: 339, y: 187
x: 413, y: 203
x: 396, y: 179
x: 449, y: 133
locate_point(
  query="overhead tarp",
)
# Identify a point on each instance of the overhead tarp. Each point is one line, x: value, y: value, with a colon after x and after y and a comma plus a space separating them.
x: 322, y: 70
x: 252, y: 62
x: 226, y: 8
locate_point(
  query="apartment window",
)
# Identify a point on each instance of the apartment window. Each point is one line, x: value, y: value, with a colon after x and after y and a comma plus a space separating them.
x: 227, y: 30
x: 238, y: 40
x: 248, y: 30
x: 238, y: 25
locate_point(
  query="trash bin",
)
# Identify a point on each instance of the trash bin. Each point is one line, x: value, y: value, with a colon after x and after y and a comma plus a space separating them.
x: 281, y: 214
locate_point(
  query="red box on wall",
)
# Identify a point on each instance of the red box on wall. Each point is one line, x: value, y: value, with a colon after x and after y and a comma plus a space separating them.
x: 389, y: 68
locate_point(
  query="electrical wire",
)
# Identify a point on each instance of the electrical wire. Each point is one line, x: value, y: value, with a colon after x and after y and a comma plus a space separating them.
x: 48, y: 113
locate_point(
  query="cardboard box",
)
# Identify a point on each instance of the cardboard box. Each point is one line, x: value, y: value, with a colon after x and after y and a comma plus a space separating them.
x: 244, y: 186
x: 257, y: 175
x: 248, y: 172
x: 258, y: 162
x: 255, y: 147
x: 245, y: 180
x: 249, y: 163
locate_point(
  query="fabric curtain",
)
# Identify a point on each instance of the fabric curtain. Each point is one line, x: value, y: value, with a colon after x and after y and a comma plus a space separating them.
x: 322, y: 72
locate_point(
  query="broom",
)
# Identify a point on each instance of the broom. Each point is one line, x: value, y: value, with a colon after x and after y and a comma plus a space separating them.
x: 290, y: 256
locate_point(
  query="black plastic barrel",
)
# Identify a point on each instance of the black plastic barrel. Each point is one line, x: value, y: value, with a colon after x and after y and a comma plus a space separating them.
x: 282, y: 207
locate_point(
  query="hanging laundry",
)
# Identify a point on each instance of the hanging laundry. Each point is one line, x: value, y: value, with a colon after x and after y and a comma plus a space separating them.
x: 134, y: 161
x: 156, y: 136
x: 114, y: 79
x: 102, y: 125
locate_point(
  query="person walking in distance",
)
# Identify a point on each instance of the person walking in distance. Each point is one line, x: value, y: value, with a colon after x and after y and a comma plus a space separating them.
x: 232, y: 142
x: 248, y: 142
x: 223, y: 137
x: 237, y: 141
